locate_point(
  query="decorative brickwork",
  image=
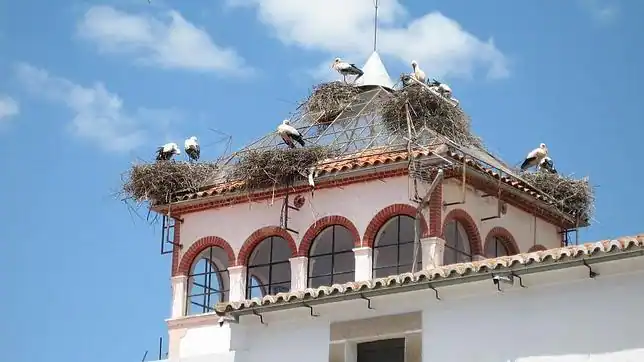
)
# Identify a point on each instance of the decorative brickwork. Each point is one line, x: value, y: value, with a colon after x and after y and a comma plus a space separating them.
x: 322, y: 224
x: 259, y: 236
x: 505, y: 236
x: 384, y: 215
x: 537, y: 247
x: 471, y: 229
x: 200, y: 245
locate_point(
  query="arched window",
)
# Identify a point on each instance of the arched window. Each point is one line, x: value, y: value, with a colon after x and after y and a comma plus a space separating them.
x: 496, y: 247
x: 331, y: 257
x: 208, y: 282
x: 457, y: 244
x: 393, y: 249
x: 269, y: 270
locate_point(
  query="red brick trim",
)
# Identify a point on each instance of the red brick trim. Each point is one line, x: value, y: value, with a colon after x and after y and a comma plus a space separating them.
x: 537, y: 247
x: 199, y: 246
x: 471, y: 229
x: 436, y: 211
x: 384, y: 215
x: 259, y: 236
x: 176, y: 253
x: 322, y: 224
x: 505, y: 236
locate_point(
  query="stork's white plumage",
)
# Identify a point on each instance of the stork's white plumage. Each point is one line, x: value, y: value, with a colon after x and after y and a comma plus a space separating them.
x: 192, y: 148
x: 289, y: 134
x: 535, y: 157
x: 345, y: 69
x: 168, y: 150
x: 418, y: 73
x: 546, y: 164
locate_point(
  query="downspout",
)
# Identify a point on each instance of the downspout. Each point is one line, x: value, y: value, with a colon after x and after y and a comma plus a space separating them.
x: 419, y: 210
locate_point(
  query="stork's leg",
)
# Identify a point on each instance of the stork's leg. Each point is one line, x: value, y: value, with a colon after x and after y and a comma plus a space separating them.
x: 344, y: 77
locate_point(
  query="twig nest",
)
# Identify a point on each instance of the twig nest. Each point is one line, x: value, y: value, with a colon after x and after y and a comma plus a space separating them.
x: 277, y: 167
x: 430, y: 110
x: 327, y: 100
x: 574, y: 196
x: 158, y: 182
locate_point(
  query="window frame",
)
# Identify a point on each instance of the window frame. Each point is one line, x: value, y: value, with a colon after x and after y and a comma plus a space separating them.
x: 398, y: 244
x: 266, y: 287
x: 469, y: 255
x: 333, y: 254
x: 211, y: 268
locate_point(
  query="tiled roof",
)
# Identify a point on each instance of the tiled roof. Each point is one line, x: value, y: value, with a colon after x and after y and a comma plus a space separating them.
x: 524, y: 263
x: 375, y: 157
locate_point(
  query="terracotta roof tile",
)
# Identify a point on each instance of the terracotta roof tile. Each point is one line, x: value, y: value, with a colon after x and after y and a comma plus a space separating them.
x: 519, y: 262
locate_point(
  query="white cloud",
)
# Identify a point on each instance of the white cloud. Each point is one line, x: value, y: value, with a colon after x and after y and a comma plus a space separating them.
x: 9, y: 107
x: 345, y: 28
x: 169, y: 42
x: 603, y: 11
x: 99, y: 115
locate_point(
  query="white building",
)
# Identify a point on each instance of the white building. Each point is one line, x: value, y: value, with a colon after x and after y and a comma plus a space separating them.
x: 493, y: 280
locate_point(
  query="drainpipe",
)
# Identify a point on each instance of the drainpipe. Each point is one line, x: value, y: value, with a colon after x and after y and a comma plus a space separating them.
x: 419, y: 210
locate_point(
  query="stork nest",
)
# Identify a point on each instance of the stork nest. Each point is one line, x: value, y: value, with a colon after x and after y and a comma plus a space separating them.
x: 429, y: 110
x: 574, y: 196
x: 327, y: 100
x: 157, y: 182
x: 277, y: 167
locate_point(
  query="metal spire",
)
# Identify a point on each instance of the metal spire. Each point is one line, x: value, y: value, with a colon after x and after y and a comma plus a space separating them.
x: 375, y: 25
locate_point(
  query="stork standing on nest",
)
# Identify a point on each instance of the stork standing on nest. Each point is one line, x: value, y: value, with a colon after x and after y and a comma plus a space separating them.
x: 192, y: 148
x: 535, y: 157
x: 418, y: 73
x: 441, y: 88
x: 345, y: 69
x: 547, y: 165
x: 289, y: 134
x: 165, y: 152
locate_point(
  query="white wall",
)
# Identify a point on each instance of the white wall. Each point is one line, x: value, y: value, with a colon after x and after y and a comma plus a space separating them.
x: 359, y: 203
x: 565, y: 321
x: 526, y: 229
x: 561, y: 314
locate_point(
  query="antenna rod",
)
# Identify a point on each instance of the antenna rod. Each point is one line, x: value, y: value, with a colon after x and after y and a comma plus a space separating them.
x: 375, y: 25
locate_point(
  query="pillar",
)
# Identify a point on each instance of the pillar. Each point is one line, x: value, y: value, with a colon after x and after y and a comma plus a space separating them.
x: 432, y: 249
x: 179, y: 295
x: 363, y: 263
x: 237, y: 276
x: 299, y: 272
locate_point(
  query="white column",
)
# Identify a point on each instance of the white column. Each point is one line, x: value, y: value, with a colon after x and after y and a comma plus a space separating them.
x: 179, y: 295
x: 237, y: 276
x: 432, y: 250
x: 350, y: 351
x: 299, y: 272
x: 363, y: 263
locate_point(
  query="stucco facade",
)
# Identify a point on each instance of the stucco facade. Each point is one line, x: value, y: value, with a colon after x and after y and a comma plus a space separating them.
x: 561, y: 316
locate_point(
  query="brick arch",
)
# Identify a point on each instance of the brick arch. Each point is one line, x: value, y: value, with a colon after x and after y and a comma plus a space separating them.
x: 323, y: 223
x: 505, y: 236
x: 537, y: 247
x: 471, y: 229
x: 200, y: 245
x: 259, y: 236
x: 384, y: 215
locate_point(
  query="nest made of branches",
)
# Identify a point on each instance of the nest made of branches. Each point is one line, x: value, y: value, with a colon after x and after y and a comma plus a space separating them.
x: 277, y: 167
x: 158, y: 182
x: 327, y: 100
x: 574, y: 196
x: 430, y: 110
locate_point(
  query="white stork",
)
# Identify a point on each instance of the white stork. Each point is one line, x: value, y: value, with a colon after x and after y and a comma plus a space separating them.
x: 535, y: 157
x: 547, y: 165
x: 441, y: 88
x: 418, y: 73
x: 289, y: 133
x: 192, y: 148
x: 345, y: 69
x: 165, y: 152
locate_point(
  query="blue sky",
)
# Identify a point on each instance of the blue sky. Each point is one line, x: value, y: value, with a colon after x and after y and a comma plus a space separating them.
x: 87, y: 87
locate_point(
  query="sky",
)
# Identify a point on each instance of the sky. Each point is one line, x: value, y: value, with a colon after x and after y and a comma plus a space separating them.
x: 88, y: 87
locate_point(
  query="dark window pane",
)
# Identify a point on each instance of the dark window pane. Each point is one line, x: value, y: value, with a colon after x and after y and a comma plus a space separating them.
x: 319, y: 281
x: 323, y: 243
x: 406, y: 229
x: 207, y: 281
x: 260, y: 273
x: 281, y: 250
x: 280, y: 288
x: 320, y: 265
x: 386, y: 256
x: 342, y: 239
x: 281, y: 273
x: 344, y: 262
x: 343, y: 278
x: 385, y: 272
x: 388, y: 234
